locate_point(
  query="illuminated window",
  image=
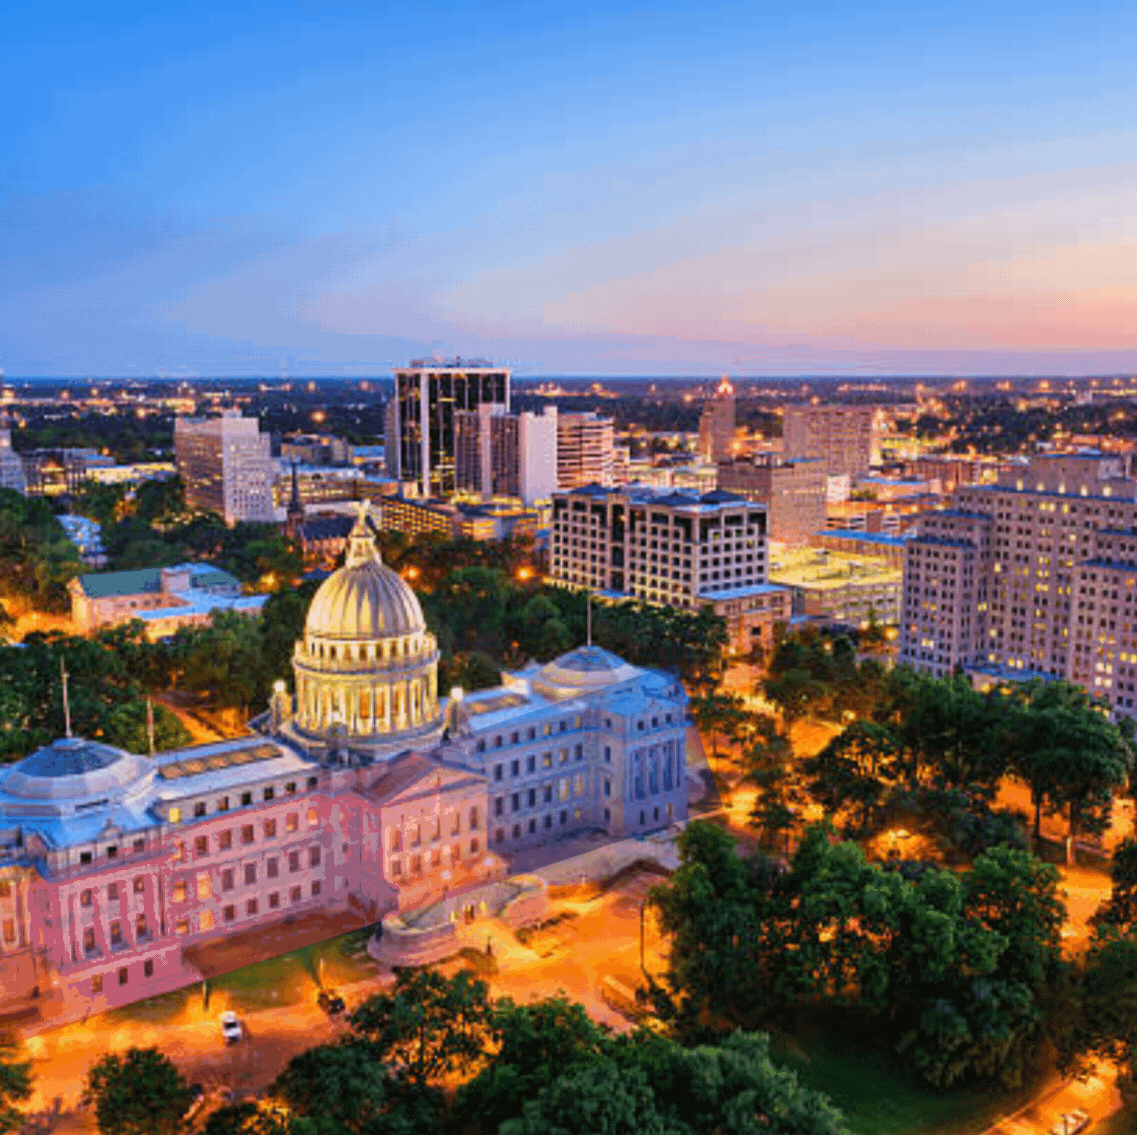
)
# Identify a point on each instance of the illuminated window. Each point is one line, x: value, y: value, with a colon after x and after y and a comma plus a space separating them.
x: 207, y: 920
x: 175, y: 815
x: 180, y: 892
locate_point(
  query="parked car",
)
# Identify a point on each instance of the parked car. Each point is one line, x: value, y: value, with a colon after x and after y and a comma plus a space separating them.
x: 331, y: 1002
x: 230, y: 1027
x: 1071, y: 1123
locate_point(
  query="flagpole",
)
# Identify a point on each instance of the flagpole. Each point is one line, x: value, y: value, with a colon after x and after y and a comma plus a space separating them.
x: 66, y: 703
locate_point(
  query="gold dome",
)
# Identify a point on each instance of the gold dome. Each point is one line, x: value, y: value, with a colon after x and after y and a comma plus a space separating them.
x: 364, y: 599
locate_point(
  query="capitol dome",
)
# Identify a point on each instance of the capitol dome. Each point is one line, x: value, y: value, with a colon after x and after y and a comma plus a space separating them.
x: 367, y: 664
x: 585, y: 668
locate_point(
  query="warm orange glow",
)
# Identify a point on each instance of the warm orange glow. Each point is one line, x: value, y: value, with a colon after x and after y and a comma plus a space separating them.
x: 524, y: 573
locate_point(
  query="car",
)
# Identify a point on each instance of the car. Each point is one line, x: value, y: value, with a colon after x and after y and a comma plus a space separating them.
x: 230, y: 1027
x: 1071, y: 1123
x: 331, y: 1002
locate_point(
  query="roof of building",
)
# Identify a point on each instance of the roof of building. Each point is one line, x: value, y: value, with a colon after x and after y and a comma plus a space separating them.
x: 884, y: 539
x: 148, y: 581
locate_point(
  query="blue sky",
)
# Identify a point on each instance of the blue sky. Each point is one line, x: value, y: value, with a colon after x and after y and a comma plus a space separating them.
x: 589, y: 189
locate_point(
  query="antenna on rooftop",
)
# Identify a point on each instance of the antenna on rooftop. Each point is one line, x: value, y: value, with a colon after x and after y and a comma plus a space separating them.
x: 66, y: 704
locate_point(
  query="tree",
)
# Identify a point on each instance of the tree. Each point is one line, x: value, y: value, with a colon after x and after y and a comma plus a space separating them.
x: 37, y: 560
x: 15, y: 1086
x: 346, y: 1091
x: 137, y: 1093
x: 533, y: 1044
x: 1107, y: 1025
x: 428, y: 1027
x: 1120, y: 909
x: 722, y: 715
x: 253, y: 1119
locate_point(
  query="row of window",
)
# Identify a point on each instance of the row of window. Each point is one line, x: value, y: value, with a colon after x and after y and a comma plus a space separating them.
x: 415, y: 862
x: 123, y: 975
x: 530, y: 733
x: 223, y: 803
x: 414, y: 831
x: 248, y: 834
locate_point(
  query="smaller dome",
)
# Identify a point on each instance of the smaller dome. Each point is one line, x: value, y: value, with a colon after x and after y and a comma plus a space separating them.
x: 364, y: 599
x: 586, y: 667
x: 71, y: 768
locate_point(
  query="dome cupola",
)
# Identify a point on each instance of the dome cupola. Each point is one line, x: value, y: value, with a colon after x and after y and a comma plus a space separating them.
x: 366, y: 664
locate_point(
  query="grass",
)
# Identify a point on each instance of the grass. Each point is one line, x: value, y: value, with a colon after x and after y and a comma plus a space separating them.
x: 878, y: 1098
x: 288, y: 979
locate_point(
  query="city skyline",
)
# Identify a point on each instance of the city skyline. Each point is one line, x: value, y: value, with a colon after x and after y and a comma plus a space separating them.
x: 587, y: 191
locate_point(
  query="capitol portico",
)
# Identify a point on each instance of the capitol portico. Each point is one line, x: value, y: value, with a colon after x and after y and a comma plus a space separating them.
x: 370, y: 794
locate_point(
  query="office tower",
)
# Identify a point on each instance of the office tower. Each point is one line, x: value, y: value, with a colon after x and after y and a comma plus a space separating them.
x: 716, y: 425
x: 227, y: 467
x: 486, y: 448
x: 537, y: 456
x: 793, y: 492
x: 1033, y: 575
x: 841, y: 436
x: 12, y: 474
x: 584, y: 450
x: 672, y: 548
x: 420, y: 419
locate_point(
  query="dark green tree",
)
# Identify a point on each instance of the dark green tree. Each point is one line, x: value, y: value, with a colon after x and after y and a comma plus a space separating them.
x: 139, y: 1092
x: 15, y: 1086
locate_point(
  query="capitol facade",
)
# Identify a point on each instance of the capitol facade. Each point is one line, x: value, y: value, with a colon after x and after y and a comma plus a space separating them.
x: 366, y: 791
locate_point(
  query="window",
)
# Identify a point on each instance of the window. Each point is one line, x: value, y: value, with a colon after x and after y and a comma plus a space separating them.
x: 148, y: 968
x: 292, y: 822
x: 139, y: 845
x: 180, y: 852
x: 514, y: 768
x: 199, y: 808
x: 313, y: 857
x: 272, y: 870
x: 112, y: 851
x: 180, y: 891
x: 246, y: 799
x: 175, y: 815
x: 499, y: 835
x: 270, y: 829
x: 89, y: 940
x: 97, y: 983
x: 123, y: 975
x: 547, y: 760
x: 227, y: 879
x: 290, y: 787
x: 295, y: 893
x: 9, y: 930
x: 229, y: 913
x: 205, y: 886
x: 274, y: 900
x: 250, y: 874
x: 225, y: 840
x: 139, y: 884
x: 497, y: 771
x: 294, y: 861
x: 223, y: 804
x: 516, y: 831
x: 313, y: 781
x: 112, y: 892
x: 207, y: 920
x: 578, y: 752
x: 473, y: 847
x: 311, y: 817
x: 531, y: 764
x: 251, y: 906
x: 515, y: 802
x: 269, y: 794
x: 248, y: 834
x: 201, y: 845
x: 315, y: 888
x: 140, y: 927
x: 474, y: 818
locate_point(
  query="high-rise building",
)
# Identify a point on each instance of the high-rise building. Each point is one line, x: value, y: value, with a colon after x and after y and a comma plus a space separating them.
x: 716, y: 425
x: 1033, y: 575
x: 671, y: 548
x: 537, y: 456
x: 420, y: 420
x: 793, y: 492
x: 585, y: 445
x: 227, y: 467
x: 11, y: 467
x: 841, y: 436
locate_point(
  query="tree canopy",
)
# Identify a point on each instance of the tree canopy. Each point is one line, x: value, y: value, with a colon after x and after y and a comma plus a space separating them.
x: 138, y: 1092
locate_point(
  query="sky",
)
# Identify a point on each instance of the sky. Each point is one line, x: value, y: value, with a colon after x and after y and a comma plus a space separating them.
x: 596, y: 188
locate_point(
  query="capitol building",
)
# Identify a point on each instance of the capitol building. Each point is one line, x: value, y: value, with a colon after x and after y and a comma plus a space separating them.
x: 365, y: 791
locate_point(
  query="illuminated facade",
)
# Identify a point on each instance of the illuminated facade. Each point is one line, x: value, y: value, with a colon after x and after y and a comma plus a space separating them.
x: 374, y: 795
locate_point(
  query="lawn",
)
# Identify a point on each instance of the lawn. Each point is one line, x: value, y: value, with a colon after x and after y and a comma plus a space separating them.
x: 878, y: 1098
x: 285, y: 980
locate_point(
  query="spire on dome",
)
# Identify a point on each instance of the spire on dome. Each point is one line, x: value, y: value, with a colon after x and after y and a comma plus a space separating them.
x: 361, y: 548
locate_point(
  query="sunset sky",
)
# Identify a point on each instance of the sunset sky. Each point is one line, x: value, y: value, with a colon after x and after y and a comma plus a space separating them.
x: 593, y: 188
